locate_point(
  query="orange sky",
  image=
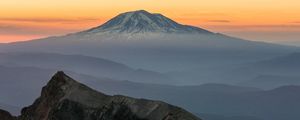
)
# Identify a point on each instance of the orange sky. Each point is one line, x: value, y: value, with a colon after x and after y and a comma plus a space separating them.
x: 265, y: 20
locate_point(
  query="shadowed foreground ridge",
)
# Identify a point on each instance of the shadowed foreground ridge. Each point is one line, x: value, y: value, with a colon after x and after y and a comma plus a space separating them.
x: 65, y: 99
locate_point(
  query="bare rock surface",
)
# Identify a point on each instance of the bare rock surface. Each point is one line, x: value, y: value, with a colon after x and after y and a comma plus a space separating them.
x: 66, y: 99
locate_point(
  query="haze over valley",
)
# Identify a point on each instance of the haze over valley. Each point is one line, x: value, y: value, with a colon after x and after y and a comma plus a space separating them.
x: 148, y: 55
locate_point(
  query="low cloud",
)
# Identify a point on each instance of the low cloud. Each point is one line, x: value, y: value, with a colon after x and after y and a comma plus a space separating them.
x: 49, y: 20
x: 44, y: 26
x: 8, y: 29
x: 219, y: 21
x: 258, y: 26
x: 298, y: 22
x: 254, y: 28
x: 197, y: 14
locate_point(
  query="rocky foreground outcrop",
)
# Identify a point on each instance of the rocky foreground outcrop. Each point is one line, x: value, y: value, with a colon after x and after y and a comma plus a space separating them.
x: 6, y: 116
x: 65, y: 99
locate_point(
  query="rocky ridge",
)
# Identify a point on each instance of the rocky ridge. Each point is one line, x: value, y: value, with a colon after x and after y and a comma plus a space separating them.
x: 65, y: 99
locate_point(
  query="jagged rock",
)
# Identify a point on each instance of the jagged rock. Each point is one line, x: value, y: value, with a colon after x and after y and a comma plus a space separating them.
x: 65, y: 99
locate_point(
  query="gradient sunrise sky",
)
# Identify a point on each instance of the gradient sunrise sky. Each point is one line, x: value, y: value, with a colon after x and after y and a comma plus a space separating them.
x: 261, y: 20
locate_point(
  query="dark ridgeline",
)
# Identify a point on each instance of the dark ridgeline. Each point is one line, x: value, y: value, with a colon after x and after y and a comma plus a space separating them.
x: 4, y: 115
x: 65, y: 99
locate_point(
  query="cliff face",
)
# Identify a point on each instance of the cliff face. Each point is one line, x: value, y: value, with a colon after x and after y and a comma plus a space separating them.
x: 65, y: 99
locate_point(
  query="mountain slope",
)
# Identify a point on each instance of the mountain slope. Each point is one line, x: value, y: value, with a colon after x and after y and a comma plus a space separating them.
x: 65, y: 99
x: 4, y: 115
x: 142, y: 21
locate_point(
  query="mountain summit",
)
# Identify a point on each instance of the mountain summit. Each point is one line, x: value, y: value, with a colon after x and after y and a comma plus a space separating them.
x: 142, y: 21
x: 66, y: 99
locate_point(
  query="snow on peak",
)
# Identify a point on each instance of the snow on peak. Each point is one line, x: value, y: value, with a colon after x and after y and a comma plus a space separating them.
x: 142, y: 21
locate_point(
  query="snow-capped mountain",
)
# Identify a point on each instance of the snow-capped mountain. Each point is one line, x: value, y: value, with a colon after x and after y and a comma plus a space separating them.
x: 142, y: 21
x: 140, y: 39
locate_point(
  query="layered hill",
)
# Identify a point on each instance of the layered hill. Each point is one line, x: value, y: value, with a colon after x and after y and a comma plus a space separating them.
x: 23, y: 86
x: 65, y: 99
x: 84, y: 65
x: 270, y: 73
